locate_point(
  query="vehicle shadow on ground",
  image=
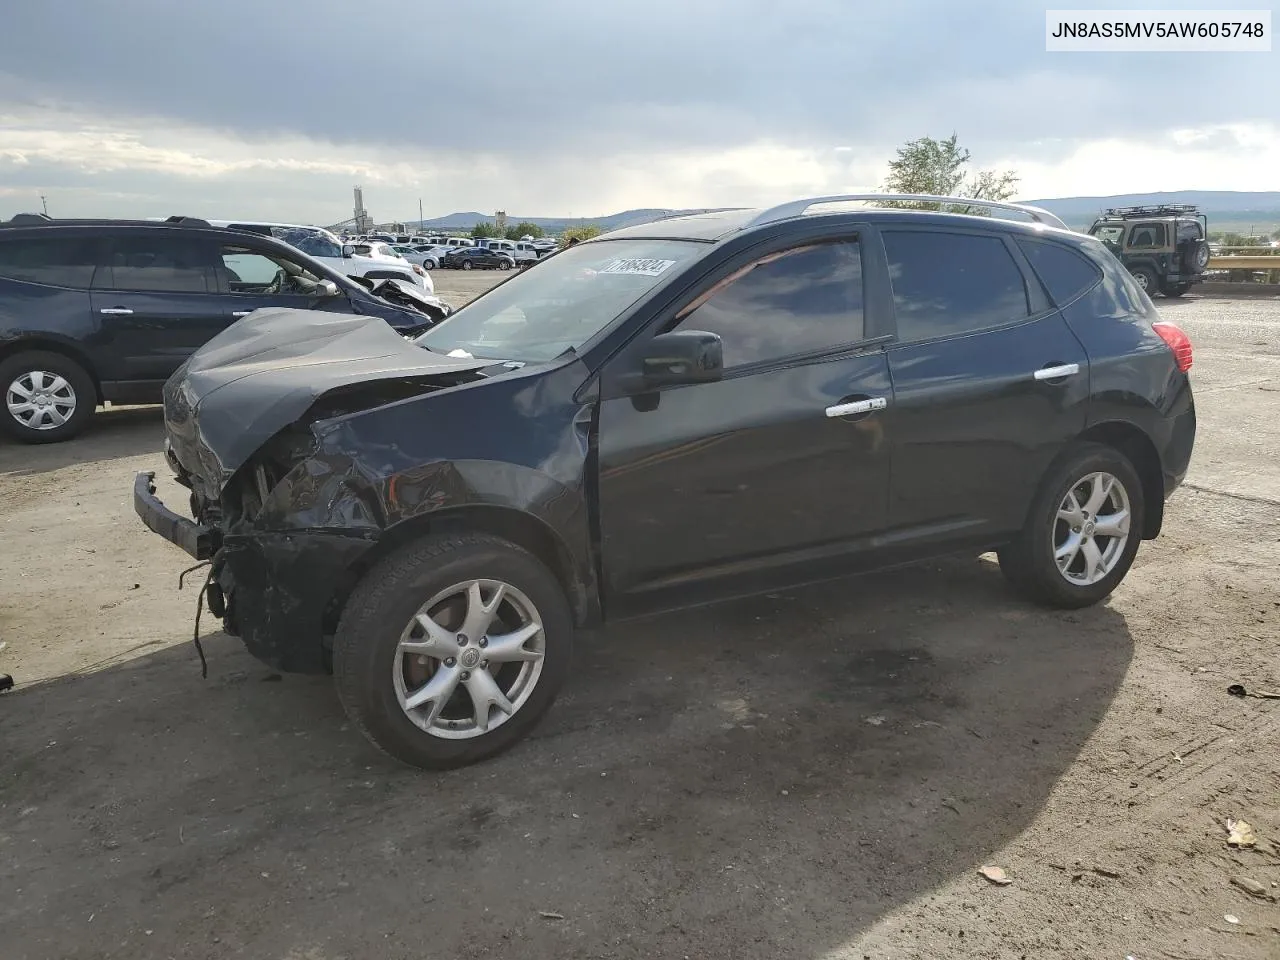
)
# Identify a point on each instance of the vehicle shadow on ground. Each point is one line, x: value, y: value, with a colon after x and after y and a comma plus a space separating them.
x: 765, y: 778
x: 111, y: 433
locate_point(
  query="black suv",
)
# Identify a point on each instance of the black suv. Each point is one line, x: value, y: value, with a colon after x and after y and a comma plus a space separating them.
x: 691, y: 409
x: 105, y: 310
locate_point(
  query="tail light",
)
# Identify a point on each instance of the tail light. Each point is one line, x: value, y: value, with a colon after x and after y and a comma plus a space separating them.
x: 1178, y: 342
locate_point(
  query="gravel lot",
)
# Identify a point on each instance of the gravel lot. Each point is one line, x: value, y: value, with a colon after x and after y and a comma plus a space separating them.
x: 817, y: 774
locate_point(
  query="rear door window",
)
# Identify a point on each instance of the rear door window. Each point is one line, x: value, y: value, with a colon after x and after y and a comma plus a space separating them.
x: 55, y: 261
x: 160, y: 264
x: 945, y: 284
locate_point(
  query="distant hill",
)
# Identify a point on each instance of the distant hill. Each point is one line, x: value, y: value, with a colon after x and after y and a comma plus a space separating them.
x: 1226, y: 209
x: 614, y: 221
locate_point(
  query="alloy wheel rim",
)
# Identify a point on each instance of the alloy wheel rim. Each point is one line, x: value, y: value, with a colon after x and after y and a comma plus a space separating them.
x: 40, y: 400
x: 469, y: 659
x: 1091, y: 529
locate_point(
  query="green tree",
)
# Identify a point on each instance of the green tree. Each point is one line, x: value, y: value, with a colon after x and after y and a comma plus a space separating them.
x: 524, y: 229
x: 484, y: 230
x: 938, y: 167
x: 585, y: 232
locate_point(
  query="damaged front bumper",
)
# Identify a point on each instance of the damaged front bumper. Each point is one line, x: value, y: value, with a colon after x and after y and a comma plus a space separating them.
x: 282, y: 593
x: 192, y: 537
x: 277, y: 591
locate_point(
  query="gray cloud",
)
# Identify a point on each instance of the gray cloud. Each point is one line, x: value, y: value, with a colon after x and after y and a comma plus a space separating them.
x: 467, y: 103
x: 584, y: 74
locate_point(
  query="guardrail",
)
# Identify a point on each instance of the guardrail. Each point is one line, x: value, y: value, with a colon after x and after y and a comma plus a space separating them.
x: 1238, y: 262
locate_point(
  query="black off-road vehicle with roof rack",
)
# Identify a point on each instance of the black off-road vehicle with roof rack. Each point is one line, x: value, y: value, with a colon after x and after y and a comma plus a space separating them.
x: 1165, y: 247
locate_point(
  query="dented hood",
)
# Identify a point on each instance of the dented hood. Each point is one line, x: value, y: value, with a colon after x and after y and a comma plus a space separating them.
x: 264, y: 372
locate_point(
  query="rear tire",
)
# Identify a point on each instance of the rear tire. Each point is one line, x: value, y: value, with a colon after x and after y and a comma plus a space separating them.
x: 1062, y: 557
x: 1147, y: 280
x: 385, y: 688
x: 467, y: 265
x: 56, y: 388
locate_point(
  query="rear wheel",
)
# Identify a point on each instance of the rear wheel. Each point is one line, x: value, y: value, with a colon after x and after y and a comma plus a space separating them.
x: 450, y: 650
x: 48, y: 397
x: 467, y: 265
x: 1082, y: 532
x: 1147, y: 280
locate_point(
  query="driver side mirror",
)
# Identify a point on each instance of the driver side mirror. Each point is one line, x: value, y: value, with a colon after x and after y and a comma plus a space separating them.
x: 348, y: 251
x: 683, y: 356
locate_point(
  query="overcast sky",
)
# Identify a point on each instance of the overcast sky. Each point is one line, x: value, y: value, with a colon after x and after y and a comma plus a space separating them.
x: 276, y: 108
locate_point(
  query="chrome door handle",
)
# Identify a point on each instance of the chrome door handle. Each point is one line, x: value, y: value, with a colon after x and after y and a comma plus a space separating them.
x: 1055, y: 373
x: 241, y: 313
x: 117, y: 311
x: 857, y: 406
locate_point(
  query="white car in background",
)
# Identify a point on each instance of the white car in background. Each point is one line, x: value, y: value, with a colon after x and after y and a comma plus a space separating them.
x: 423, y: 255
x: 371, y: 259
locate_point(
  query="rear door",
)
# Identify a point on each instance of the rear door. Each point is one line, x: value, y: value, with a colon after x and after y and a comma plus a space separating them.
x: 989, y: 384
x: 156, y: 301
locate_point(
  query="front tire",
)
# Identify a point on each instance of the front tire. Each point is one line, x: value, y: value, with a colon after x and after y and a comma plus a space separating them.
x: 48, y: 397
x: 1082, y: 532
x: 451, y: 649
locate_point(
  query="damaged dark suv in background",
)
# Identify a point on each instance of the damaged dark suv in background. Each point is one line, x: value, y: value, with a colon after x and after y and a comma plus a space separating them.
x: 678, y: 412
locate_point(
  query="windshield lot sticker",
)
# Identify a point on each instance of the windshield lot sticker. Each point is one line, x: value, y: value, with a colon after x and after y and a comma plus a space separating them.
x: 639, y: 267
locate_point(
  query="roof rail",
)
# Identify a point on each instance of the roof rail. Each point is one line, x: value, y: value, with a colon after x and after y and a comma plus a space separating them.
x: 187, y: 221
x: 796, y: 208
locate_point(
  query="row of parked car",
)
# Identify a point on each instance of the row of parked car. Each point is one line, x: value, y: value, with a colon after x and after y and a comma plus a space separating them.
x: 465, y: 253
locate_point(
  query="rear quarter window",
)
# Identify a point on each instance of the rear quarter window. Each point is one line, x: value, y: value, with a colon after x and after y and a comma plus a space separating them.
x: 1065, y: 274
x: 55, y: 261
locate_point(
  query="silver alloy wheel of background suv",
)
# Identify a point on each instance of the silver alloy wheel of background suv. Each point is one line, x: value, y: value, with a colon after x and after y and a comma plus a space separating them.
x: 40, y: 400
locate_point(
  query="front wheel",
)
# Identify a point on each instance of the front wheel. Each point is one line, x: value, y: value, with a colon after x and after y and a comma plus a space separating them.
x: 1083, y: 530
x: 504, y: 264
x: 48, y: 397
x: 451, y: 649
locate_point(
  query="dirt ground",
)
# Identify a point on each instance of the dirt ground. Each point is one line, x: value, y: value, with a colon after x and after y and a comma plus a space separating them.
x: 817, y: 774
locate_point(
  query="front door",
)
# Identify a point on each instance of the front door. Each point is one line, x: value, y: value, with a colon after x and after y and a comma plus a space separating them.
x: 778, y: 472
x: 989, y: 385
x: 250, y: 279
x: 156, y: 301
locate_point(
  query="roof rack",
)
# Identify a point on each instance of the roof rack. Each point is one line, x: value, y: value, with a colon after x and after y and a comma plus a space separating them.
x: 796, y: 208
x: 187, y: 221
x: 1159, y: 210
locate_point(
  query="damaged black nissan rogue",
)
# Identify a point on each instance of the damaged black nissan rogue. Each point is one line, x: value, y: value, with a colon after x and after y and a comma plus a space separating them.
x: 691, y: 409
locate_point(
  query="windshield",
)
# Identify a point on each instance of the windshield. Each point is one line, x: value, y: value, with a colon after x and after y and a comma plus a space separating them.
x: 562, y: 302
